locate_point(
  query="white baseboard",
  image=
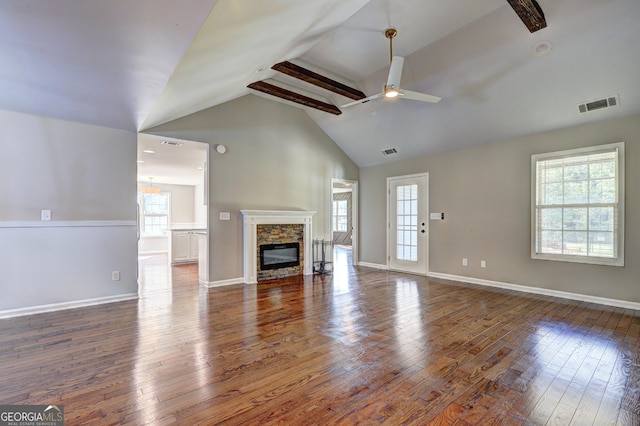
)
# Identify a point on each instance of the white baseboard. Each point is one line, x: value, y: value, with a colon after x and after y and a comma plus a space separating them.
x: 373, y: 265
x: 222, y: 283
x: 10, y: 313
x: 149, y: 253
x: 537, y: 290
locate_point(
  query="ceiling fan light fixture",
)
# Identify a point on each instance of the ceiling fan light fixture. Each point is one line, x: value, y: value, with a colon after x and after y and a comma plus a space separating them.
x: 392, y: 86
x: 391, y: 92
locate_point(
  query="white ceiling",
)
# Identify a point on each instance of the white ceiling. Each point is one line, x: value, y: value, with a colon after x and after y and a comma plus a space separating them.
x: 96, y: 62
x: 134, y: 65
x: 165, y: 163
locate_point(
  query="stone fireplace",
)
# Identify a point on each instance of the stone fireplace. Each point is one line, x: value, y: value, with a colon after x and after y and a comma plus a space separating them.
x: 280, y: 249
x: 279, y: 228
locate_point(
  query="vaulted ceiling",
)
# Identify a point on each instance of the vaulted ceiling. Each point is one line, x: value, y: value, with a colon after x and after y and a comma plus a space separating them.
x: 135, y: 65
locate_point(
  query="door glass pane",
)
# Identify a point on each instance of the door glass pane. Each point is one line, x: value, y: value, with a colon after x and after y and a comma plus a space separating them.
x: 407, y: 222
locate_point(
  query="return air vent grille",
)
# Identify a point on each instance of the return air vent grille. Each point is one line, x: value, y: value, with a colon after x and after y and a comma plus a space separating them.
x: 599, y: 104
x: 172, y: 143
x: 389, y: 151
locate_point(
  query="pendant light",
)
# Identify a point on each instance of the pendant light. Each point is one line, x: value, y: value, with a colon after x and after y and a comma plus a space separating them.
x: 150, y: 189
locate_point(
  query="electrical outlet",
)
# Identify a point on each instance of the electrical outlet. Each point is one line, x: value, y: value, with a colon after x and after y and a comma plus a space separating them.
x: 465, y: 262
x: 115, y: 276
x: 483, y: 264
x: 45, y: 215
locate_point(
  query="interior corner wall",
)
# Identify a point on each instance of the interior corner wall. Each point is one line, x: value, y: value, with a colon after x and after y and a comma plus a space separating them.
x: 85, y: 175
x: 277, y: 158
x: 485, y: 193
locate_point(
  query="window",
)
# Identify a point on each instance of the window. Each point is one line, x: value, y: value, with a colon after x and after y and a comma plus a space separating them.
x: 407, y: 219
x: 578, y: 205
x: 340, y: 216
x: 154, y: 214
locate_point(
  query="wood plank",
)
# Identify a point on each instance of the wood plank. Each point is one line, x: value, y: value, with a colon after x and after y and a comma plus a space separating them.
x: 392, y: 348
x: 279, y: 92
x: 319, y: 80
x: 530, y: 13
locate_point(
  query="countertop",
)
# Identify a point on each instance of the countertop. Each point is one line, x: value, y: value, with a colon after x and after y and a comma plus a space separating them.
x: 188, y: 227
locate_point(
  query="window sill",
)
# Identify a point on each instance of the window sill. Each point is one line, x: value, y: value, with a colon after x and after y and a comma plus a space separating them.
x: 579, y: 259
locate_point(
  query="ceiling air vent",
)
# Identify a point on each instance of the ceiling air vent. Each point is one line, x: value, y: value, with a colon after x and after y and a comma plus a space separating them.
x: 599, y: 104
x: 172, y: 143
x: 389, y: 151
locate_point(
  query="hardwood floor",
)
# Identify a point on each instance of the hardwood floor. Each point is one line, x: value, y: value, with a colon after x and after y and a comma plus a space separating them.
x: 360, y: 346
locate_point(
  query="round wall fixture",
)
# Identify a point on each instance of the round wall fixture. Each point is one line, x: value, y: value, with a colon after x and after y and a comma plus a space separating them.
x: 221, y: 149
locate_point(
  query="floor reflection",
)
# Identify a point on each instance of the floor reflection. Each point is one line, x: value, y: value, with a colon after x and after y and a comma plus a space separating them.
x: 408, y: 319
x: 155, y: 282
x: 342, y: 268
x: 160, y: 285
x: 570, y: 361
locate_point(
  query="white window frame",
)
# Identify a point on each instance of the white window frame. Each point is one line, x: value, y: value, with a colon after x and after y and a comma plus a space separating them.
x: 617, y: 260
x: 336, y: 215
x: 143, y: 231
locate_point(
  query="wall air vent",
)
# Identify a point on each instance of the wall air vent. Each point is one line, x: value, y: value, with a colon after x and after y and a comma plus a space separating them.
x: 599, y: 104
x: 389, y: 151
x: 172, y: 143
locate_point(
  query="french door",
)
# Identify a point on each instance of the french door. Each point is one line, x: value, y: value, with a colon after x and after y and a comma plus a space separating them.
x: 408, y: 227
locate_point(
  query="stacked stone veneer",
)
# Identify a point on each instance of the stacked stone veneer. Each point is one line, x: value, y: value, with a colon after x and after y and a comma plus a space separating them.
x: 278, y: 234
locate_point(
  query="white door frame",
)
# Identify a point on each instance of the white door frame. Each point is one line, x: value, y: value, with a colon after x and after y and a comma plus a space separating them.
x: 425, y: 206
x: 354, y: 216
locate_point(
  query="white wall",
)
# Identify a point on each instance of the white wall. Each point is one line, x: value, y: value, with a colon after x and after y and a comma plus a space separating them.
x: 485, y: 194
x: 182, y: 203
x: 86, y: 176
x: 199, y: 208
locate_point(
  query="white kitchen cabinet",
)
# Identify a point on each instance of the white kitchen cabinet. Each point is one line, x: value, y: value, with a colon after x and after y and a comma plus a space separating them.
x: 184, y: 246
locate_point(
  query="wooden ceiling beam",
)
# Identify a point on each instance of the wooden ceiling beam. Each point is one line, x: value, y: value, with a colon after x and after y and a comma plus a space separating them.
x: 531, y: 14
x: 311, y: 77
x: 273, y: 90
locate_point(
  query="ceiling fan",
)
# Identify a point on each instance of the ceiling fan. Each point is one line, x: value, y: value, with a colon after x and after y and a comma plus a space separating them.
x: 392, y: 88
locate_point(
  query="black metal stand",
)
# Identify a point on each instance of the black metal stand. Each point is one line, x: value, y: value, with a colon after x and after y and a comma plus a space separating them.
x: 322, y: 263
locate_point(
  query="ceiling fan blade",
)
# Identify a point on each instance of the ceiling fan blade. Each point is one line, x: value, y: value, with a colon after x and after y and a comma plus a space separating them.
x: 395, y: 72
x: 423, y: 97
x: 361, y: 101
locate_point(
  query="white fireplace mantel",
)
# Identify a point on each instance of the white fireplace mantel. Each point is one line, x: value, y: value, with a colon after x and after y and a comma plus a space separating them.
x: 253, y: 218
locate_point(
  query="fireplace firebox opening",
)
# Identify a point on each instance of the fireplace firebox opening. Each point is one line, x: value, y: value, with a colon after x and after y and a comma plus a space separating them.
x: 282, y: 255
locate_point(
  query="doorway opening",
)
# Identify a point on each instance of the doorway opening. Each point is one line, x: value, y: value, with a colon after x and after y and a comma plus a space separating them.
x: 344, y: 221
x: 172, y: 208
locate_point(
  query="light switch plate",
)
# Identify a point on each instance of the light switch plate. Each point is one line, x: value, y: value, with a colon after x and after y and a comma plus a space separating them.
x: 225, y: 216
x: 45, y: 215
